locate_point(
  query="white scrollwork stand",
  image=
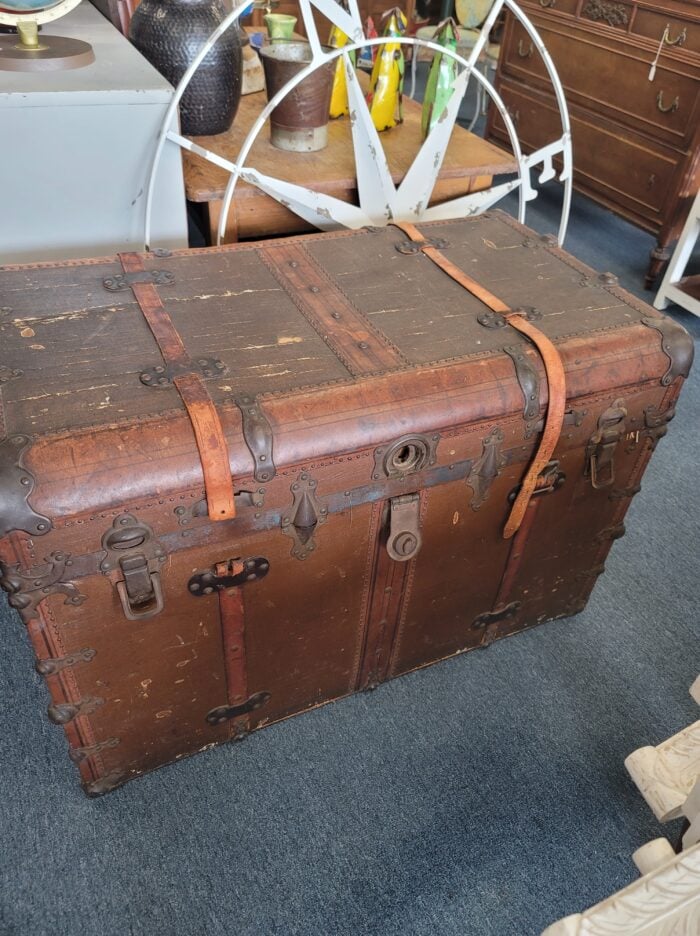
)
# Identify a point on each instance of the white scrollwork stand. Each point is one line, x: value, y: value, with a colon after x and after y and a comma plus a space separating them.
x: 380, y: 201
x: 668, y: 776
x: 666, y: 900
x: 673, y: 287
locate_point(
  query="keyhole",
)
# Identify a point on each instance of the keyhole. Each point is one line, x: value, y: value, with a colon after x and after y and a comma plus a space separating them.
x: 405, y: 458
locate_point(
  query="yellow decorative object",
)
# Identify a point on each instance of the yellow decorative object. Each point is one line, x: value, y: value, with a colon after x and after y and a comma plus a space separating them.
x: 386, y: 84
x: 339, y: 94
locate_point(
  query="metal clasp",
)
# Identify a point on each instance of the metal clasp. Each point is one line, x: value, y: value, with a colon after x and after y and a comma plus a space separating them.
x: 600, y: 453
x: 140, y: 591
x: 132, y: 549
x: 302, y: 519
x: 404, y: 539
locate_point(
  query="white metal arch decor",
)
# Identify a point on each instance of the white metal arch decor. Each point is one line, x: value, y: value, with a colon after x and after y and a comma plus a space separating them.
x: 380, y: 201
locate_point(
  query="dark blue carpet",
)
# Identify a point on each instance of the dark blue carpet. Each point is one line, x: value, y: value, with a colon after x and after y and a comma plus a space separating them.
x: 486, y: 795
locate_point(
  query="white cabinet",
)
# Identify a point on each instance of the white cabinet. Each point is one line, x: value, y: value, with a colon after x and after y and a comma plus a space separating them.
x: 76, y: 149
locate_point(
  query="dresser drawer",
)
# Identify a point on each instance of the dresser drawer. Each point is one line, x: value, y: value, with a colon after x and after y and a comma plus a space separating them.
x: 683, y: 34
x: 621, y: 168
x: 609, y: 78
x: 556, y: 6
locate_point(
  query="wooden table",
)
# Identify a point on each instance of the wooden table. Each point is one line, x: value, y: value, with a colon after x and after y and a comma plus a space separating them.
x: 469, y: 166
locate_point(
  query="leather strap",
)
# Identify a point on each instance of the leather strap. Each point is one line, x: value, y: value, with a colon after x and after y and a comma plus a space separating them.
x: 209, y: 435
x: 554, y: 369
x: 361, y: 347
x: 391, y: 590
x: 233, y: 633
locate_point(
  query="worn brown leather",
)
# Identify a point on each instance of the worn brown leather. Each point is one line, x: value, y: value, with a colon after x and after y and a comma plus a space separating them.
x: 211, y: 442
x: 556, y: 389
x: 556, y: 377
x: 103, y: 448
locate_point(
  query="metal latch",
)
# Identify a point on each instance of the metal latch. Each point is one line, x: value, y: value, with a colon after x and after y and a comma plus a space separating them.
x: 302, y: 519
x: 132, y: 549
x: 404, y: 539
x: 140, y: 591
x: 600, y: 453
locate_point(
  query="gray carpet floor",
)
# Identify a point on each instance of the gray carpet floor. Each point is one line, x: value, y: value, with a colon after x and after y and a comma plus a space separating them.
x: 485, y: 795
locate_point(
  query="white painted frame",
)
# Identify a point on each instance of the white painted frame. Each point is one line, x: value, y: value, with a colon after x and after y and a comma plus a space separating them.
x: 375, y: 186
x: 669, y: 291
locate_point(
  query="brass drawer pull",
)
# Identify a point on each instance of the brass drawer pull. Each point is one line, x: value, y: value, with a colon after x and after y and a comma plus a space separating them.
x: 680, y: 38
x: 525, y: 52
x: 547, y: 3
x: 671, y: 108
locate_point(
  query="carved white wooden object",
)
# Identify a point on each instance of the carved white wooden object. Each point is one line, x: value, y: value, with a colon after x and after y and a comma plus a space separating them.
x: 665, y: 902
x: 651, y: 856
x: 695, y: 690
x: 691, y: 810
x: 666, y: 774
x: 380, y: 201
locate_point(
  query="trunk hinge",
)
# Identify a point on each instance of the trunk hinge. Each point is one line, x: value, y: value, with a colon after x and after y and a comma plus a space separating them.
x: 257, y: 433
x: 26, y: 588
x: 16, y: 484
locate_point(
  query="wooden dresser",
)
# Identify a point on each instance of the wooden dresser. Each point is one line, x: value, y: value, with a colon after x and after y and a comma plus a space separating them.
x: 636, y: 142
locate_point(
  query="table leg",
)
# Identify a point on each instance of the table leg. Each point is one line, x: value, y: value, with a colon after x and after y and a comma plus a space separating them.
x: 658, y: 259
x: 214, y: 213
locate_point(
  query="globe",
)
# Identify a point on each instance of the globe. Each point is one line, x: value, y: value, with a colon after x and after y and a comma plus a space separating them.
x: 28, y: 6
x: 52, y: 52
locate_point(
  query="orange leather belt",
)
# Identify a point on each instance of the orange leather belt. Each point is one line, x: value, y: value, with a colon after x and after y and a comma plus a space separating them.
x: 554, y: 369
x: 211, y: 442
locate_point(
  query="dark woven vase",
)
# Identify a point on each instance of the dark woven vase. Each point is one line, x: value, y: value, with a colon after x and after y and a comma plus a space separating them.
x: 169, y: 33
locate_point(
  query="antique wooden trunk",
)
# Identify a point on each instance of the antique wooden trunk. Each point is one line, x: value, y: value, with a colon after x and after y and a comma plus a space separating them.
x: 238, y: 483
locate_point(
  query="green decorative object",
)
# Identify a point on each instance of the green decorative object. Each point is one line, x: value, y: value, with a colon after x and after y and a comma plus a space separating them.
x: 443, y: 71
x: 472, y: 13
x: 280, y: 26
